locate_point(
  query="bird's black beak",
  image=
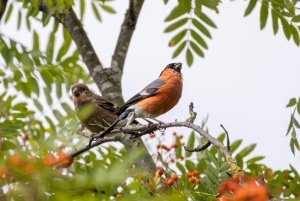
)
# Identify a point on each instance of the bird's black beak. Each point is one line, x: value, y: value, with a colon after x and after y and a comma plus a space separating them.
x: 178, y: 67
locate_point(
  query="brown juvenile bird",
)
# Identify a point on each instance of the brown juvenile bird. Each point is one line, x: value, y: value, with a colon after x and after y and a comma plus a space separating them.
x: 94, y: 112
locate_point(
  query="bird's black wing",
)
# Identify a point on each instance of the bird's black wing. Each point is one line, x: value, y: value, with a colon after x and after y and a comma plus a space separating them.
x: 104, y: 103
x: 150, y: 90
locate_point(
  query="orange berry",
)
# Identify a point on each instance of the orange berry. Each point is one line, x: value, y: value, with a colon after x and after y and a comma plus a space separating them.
x: 181, y: 157
x: 165, y: 148
x: 3, y: 172
x: 170, y: 182
x: 64, y: 160
x: 29, y: 168
x: 161, y: 171
x: 198, y: 181
x: 16, y: 160
x: 193, y: 179
x: 175, y: 177
x: 174, y: 146
x: 119, y: 196
x: 190, y: 174
x: 49, y: 160
x: 158, y: 146
x: 196, y: 173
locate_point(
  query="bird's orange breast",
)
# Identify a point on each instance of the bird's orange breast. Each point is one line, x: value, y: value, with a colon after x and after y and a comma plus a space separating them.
x: 166, y: 98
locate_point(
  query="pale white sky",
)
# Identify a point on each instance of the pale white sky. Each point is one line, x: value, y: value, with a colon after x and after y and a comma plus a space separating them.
x: 244, y: 82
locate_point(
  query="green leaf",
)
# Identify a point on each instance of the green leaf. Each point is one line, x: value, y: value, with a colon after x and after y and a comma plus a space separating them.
x: 181, y: 168
x: 96, y: 12
x: 295, y: 172
x: 296, y: 18
x: 202, y: 16
x: 82, y: 8
x: 286, y: 28
x: 191, y: 143
x: 295, y: 34
x: 198, y: 39
x: 190, y: 165
x: 185, y: 4
x: 247, y: 150
x: 275, y: 21
x: 68, y: 109
x: 255, y: 159
x: 196, y: 49
x: 36, y: 43
x: 201, y: 28
x: 189, y: 57
x: 298, y: 106
x: 235, y: 145
x: 50, y: 47
x: 250, y: 7
x: 176, y: 25
x: 48, y: 95
x: 38, y: 105
x: 9, y: 11
x: 58, y: 116
x: 179, y: 49
x: 108, y: 9
x: 178, y: 37
x: 175, y: 13
x: 293, y: 101
x: 19, y: 19
x: 264, y: 12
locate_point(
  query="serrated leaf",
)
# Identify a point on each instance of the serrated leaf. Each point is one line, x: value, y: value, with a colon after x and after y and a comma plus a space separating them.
x: 202, y: 16
x: 298, y: 107
x: 108, y: 9
x: 292, y: 102
x: 189, y: 57
x: 264, y: 12
x: 235, y: 145
x: 176, y: 25
x: 96, y: 12
x: 201, y: 28
x: 189, y: 165
x: 179, y: 49
x: 58, y: 116
x: 181, y: 168
x: 274, y: 21
x: 175, y: 13
x: 198, y: 39
x: 178, y: 38
x: 8, y: 13
x: 196, y: 49
x: 247, y: 150
x: 48, y: 96
x: 255, y: 159
x: 250, y: 7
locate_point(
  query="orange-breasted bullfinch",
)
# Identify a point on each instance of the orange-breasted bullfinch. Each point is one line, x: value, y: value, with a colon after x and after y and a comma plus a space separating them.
x: 94, y: 112
x: 155, y: 99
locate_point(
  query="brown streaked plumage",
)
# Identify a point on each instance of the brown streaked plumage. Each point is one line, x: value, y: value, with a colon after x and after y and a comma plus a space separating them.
x: 94, y: 112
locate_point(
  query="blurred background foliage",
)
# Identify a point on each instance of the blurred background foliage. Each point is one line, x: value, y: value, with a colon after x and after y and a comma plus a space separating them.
x: 37, y: 120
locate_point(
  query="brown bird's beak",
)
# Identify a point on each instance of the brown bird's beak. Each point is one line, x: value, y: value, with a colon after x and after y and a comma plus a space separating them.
x: 76, y: 92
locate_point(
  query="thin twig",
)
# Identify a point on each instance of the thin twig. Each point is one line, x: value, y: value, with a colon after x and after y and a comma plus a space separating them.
x: 227, y: 136
x: 199, y: 148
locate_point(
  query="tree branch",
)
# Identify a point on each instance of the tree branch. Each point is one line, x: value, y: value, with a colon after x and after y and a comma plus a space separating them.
x: 3, y: 4
x: 125, y: 35
x: 140, y: 130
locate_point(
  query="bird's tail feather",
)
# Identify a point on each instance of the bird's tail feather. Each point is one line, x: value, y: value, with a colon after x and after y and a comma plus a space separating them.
x: 123, y: 116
